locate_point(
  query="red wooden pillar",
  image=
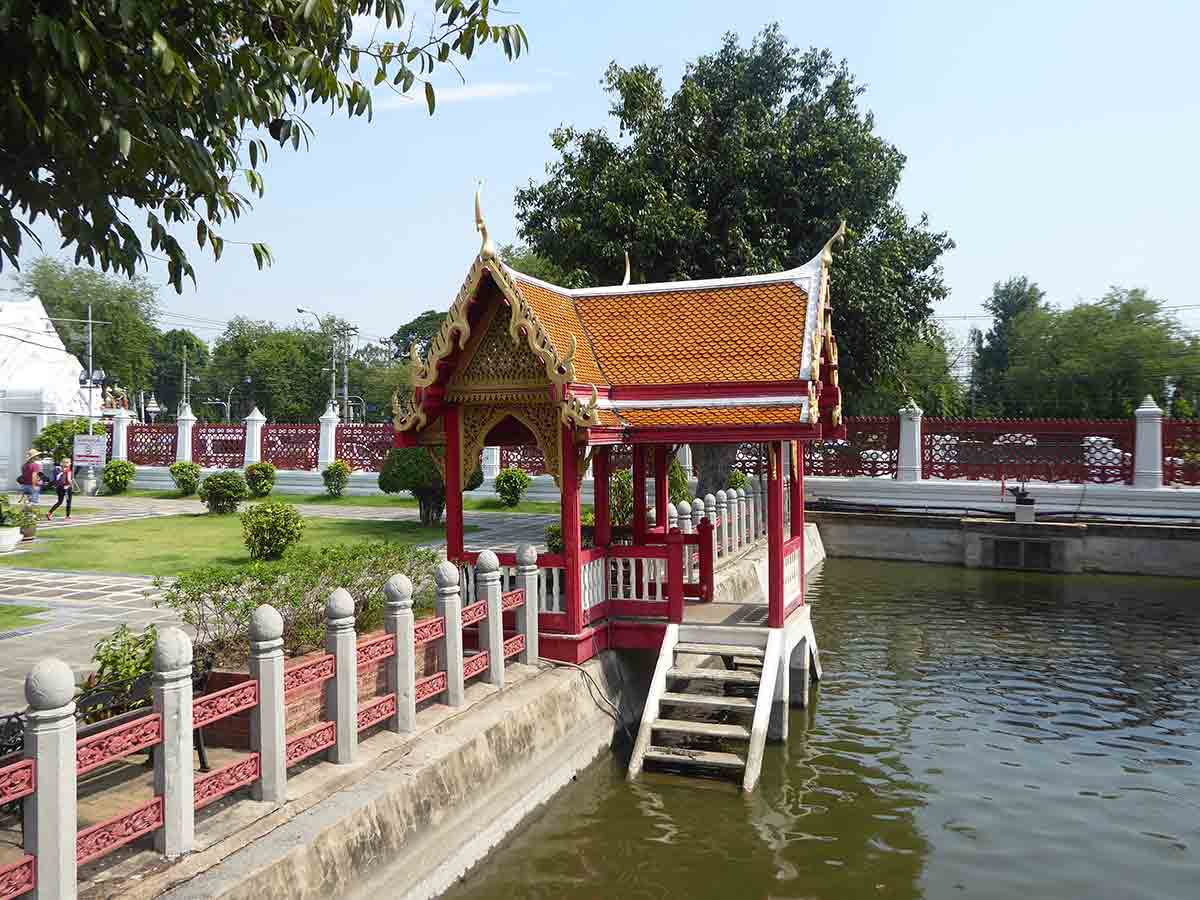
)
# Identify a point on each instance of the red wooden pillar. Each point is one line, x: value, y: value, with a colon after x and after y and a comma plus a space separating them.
x: 572, y: 538
x: 775, y: 598
x: 797, y: 486
x: 639, y: 494
x: 603, y: 533
x: 674, y: 575
x: 454, y: 498
x: 660, y: 487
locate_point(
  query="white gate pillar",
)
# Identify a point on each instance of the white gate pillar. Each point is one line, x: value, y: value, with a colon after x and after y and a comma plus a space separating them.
x: 491, y: 463
x: 908, y: 467
x: 120, y: 447
x: 184, y: 425
x: 254, y: 426
x: 327, y: 448
x: 1148, y: 453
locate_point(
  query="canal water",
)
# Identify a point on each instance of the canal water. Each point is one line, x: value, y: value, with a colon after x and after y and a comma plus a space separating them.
x: 978, y: 734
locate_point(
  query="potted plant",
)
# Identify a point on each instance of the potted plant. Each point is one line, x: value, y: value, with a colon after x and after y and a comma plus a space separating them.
x: 27, y: 521
x: 10, y: 529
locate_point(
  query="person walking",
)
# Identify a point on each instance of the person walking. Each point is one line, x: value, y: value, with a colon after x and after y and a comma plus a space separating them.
x: 31, y: 477
x: 64, y: 485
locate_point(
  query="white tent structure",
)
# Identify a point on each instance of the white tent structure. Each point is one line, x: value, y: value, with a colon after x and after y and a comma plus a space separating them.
x: 39, y: 381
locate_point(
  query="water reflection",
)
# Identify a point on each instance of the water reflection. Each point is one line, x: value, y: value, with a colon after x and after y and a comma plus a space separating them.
x: 980, y: 733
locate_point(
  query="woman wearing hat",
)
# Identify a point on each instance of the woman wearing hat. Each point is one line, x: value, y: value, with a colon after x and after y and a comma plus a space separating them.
x: 64, y: 485
x: 31, y: 477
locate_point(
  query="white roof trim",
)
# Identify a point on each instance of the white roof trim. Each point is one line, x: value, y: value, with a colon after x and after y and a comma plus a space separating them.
x: 802, y: 402
x: 702, y: 284
x: 704, y: 403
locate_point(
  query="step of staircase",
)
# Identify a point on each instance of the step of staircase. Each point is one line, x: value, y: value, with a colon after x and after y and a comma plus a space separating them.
x: 702, y: 729
x: 746, y: 662
x: 680, y: 756
x: 719, y: 650
x: 709, y: 701
x: 727, y: 676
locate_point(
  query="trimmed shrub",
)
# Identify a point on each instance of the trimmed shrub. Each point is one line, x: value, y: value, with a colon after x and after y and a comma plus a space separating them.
x: 677, y: 483
x: 336, y: 476
x: 117, y: 475
x: 270, y: 528
x: 260, y: 478
x: 554, y: 538
x: 620, y: 497
x: 186, y: 476
x: 511, y: 485
x: 222, y: 492
x: 412, y: 469
x: 737, y: 479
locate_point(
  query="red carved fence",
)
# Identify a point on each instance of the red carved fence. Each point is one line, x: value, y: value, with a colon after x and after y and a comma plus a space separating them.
x: 152, y: 445
x: 1181, y: 451
x: 1028, y: 450
x: 291, y: 446
x: 219, y: 446
x: 212, y: 708
x: 323, y: 735
x: 871, y: 448
x: 364, y: 447
x: 16, y: 781
x: 108, y: 439
x: 528, y: 459
x: 424, y: 632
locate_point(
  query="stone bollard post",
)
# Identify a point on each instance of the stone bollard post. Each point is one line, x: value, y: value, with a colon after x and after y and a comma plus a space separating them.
x: 267, y: 725
x: 710, y: 511
x: 723, y: 546
x: 672, y: 516
x: 735, y: 517
x: 184, y: 425
x: 491, y: 629
x: 1148, y: 453
x: 50, y: 813
x: 254, y: 428
x: 683, y: 516
x: 449, y: 607
x: 402, y: 666
x: 327, y: 447
x: 120, y: 439
x: 908, y: 464
x: 341, y: 691
x: 760, y: 506
x: 752, y: 508
x: 744, y: 536
x: 173, y: 772
x: 527, y: 612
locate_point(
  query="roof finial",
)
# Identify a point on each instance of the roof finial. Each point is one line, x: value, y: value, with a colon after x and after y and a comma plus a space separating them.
x: 626, y: 280
x: 487, y: 250
x: 838, y: 237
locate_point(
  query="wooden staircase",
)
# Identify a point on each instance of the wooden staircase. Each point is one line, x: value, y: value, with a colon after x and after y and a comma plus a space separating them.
x: 703, y: 717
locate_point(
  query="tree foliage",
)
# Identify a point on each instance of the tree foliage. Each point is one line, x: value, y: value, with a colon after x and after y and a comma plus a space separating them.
x: 58, y: 438
x: 925, y: 374
x: 1009, y: 300
x: 413, y: 469
x: 157, y: 105
x: 747, y: 168
x: 417, y: 333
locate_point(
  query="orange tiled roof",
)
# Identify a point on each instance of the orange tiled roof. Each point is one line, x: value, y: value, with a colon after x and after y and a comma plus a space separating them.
x: 559, y: 317
x: 707, y: 415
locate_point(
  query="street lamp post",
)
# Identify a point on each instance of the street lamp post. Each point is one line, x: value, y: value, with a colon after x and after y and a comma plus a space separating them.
x: 91, y: 379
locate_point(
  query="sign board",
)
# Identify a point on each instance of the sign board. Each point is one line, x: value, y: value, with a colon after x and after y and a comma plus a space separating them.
x: 90, y: 450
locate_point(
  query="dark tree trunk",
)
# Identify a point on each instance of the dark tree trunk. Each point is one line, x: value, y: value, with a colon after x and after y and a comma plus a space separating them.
x: 711, y: 464
x: 431, y: 505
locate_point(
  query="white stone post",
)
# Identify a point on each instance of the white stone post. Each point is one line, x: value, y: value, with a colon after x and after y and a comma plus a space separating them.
x: 672, y: 516
x: 760, y: 503
x: 908, y: 467
x: 1148, y: 453
x: 491, y: 463
x: 267, y: 725
x: 341, y: 691
x: 51, y: 817
x: 683, y: 517
x: 744, y: 536
x: 173, y: 772
x: 254, y: 428
x: 327, y: 448
x: 183, y: 426
x: 684, y: 455
x: 449, y: 607
x: 752, y: 509
x: 723, y: 545
x: 120, y: 447
x: 402, y: 666
x: 491, y: 629
x: 697, y: 517
x: 711, y: 511
x: 527, y: 613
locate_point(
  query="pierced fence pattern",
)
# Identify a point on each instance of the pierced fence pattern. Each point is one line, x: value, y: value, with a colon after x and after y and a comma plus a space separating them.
x: 152, y: 445
x: 871, y: 447
x: 108, y: 433
x: 752, y: 459
x: 291, y: 446
x: 364, y: 447
x: 1028, y: 450
x: 219, y: 446
x: 1181, y: 451
x: 528, y: 458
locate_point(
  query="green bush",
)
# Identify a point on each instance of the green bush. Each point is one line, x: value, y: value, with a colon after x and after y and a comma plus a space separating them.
x: 336, y: 476
x: 216, y: 602
x: 270, y: 528
x: 260, y: 478
x: 413, y: 469
x: 186, y: 476
x: 58, y: 438
x: 118, y: 475
x: 620, y: 497
x: 511, y: 485
x: 121, y: 657
x: 677, y: 483
x: 222, y: 492
x: 737, y: 479
x: 554, y: 538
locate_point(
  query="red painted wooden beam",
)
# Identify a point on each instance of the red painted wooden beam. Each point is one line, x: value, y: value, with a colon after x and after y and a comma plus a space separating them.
x: 454, y: 498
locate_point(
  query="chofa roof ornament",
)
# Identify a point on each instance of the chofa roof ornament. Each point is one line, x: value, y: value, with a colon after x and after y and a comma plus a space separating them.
x: 625, y: 281
x: 487, y: 249
x: 839, y: 237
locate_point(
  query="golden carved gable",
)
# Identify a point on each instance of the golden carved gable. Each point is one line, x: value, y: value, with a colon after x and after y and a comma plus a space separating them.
x: 542, y: 420
x: 497, y: 365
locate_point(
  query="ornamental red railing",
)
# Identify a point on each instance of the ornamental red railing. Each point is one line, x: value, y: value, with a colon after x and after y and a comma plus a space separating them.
x: 474, y: 665
x: 322, y: 735
x: 364, y: 447
x: 291, y: 446
x: 18, y: 878
x: 529, y: 459
x: 871, y: 448
x: 376, y: 711
x: 152, y: 445
x: 1028, y: 450
x: 752, y: 459
x: 1181, y: 451
x: 98, y: 840
x: 210, y: 708
x: 219, y: 446
x: 375, y: 650
x: 17, y: 781
x: 108, y: 439
x: 306, y: 674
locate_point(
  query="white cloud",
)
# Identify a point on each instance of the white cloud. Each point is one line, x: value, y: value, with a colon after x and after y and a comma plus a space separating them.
x: 464, y: 93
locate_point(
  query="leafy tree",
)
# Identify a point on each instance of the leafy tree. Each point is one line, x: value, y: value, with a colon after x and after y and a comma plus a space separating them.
x: 533, y: 263
x: 122, y: 347
x: 58, y: 438
x: 412, y: 469
x: 1007, y: 302
x: 925, y: 373
x: 374, y: 375
x: 155, y: 105
x: 288, y: 368
x: 167, y: 353
x: 417, y: 333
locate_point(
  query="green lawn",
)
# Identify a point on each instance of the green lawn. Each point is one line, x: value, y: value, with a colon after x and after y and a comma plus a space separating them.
x: 14, y: 616
x: 389, y: 501
x: 167, y: 545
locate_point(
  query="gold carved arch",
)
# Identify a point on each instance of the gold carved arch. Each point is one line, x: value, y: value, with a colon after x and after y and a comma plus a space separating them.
x: 542, y: 420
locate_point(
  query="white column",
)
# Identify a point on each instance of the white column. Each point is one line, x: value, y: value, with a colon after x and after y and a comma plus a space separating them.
x: 491, y: 629
x: 491, y: 463
x: 752, y: 508
x: 402, y: 667
x: 672, y: 516
x: 744, y: 536
x: 327, y: 449
x: 173, y: 772
x: 711, y: 511
x: 684, y: 455
x: 51, y: 817
x: 267, y: 726
x: 527, y: 613
x: 908, y: 466
x: 683, y: 517
x: 184, y: 425
x: 254, y: 426
x: 341, y: 691
x: 1147, y: 456
x: 120, y: 447
x: 760, y: 504
x: 723, y: 544
x: 449, y: 607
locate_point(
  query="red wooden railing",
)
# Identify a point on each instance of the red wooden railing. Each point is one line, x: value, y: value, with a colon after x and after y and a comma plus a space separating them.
x: 1181, y: 451
x: 219, y: 446
x: 152, y: 445
x: 364, y: 447
x: 871, y: 448
x: 370, y: 652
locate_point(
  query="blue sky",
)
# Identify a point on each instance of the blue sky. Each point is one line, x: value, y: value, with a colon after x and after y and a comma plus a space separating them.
x: 1052, y: 139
